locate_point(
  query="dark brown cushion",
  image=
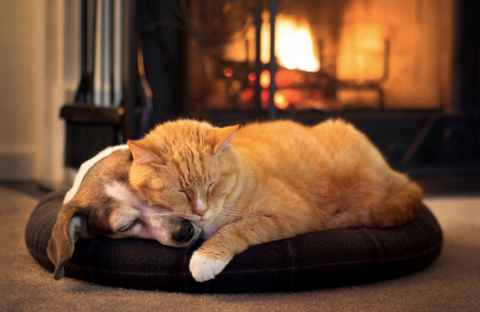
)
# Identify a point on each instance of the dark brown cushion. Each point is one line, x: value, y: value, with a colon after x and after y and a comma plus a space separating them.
x: 316, y: 260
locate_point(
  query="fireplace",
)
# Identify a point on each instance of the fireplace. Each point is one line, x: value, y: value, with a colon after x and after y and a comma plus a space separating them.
x: 404, y: 72
x: 393, y: 68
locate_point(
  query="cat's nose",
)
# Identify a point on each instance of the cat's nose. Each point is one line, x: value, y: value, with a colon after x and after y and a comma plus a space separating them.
x: 184, y: 232
x: 199, y: 208
x: 199, y: 212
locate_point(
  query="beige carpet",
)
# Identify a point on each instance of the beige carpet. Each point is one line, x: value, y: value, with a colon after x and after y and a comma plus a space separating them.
x: 451, y: 283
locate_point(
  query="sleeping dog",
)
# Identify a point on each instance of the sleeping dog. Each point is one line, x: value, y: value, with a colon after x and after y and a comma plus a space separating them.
x: 102, y: 202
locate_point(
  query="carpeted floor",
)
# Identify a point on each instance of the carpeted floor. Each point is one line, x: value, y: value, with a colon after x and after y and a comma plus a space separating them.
x: 451, y: 283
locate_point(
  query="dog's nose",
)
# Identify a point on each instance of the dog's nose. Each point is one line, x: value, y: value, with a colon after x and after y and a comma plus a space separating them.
x: 184, y: 232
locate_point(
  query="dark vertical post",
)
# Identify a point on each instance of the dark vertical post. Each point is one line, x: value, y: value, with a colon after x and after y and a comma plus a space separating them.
x: 84, y: 91
x: 272, y: 109
x: 257, y: 12
x: 129, y: 66
x: 466, y: 64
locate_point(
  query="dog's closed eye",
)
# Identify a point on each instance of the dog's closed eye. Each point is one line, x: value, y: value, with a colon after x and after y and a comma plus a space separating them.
x: 129, y: 226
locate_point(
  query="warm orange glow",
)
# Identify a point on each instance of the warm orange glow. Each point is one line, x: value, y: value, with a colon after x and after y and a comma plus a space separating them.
x: 264, y: 96
x: 289, y: 78
x: 294, y: 47
x: 280, y: 101
x: 228, y: 72
x: 361, y: 51
x: 265, y: 79
x: 248, y: 94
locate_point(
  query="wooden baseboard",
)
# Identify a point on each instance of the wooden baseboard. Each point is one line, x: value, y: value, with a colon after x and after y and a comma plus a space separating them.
x: 17, y: 165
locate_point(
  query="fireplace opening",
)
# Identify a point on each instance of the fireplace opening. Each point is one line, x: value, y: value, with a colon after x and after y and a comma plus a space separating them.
x: 330, y: 55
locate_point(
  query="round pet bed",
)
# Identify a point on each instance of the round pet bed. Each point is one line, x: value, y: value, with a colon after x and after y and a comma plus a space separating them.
x: 322, y: 259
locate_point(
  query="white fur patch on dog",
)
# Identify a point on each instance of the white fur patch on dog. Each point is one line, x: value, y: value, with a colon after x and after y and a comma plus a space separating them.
x: 204, y: 268
x: 122, y: 193
x: 86, y: 166
x: 128, y: 210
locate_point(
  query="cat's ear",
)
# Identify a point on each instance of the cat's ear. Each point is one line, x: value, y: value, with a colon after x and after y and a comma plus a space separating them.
x: 221, y: 138
x: 142, y: 156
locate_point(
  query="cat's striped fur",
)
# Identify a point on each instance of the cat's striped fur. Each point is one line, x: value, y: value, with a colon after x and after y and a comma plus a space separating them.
x: 268, y: 181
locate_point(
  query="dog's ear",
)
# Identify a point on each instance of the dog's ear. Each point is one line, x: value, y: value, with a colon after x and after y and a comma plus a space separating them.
x: 70, y: 226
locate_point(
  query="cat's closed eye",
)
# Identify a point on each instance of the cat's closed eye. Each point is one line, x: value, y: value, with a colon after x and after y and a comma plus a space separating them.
x: 210, y: 186
x: 183, y: 193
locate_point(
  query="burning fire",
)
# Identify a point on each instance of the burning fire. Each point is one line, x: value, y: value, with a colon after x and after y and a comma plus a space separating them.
x: 294, y: 44
x: 294, y: 49
x: 283, y: 98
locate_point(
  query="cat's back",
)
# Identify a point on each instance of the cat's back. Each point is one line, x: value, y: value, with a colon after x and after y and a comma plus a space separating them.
x: 278, y: 135
x: 279, y: 146
x: 332, y: 143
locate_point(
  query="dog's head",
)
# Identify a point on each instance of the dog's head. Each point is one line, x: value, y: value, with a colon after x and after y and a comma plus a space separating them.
x: 102, y: 202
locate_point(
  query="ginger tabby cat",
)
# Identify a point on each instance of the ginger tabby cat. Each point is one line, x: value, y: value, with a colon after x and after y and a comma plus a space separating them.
x: 267, y: 181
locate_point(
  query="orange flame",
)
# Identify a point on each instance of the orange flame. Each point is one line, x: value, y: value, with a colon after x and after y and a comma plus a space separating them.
x: 295, y: 48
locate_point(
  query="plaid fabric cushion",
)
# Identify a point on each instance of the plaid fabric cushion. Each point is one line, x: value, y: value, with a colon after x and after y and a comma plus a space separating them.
x: 316, y: 260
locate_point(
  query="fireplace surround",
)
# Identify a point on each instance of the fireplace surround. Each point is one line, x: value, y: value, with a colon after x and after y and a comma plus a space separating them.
x: 405, y: 73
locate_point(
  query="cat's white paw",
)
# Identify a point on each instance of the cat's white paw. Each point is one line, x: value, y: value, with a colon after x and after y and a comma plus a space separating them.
x: 204, y: 268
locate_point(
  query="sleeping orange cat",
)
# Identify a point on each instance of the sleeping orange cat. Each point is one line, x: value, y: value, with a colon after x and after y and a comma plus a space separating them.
x: 267, y: 181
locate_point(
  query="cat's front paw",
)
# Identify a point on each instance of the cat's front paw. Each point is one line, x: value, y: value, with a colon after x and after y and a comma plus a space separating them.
x: 204, y: 268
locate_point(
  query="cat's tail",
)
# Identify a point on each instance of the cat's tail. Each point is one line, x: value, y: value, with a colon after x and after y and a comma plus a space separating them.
x: 398, y: 208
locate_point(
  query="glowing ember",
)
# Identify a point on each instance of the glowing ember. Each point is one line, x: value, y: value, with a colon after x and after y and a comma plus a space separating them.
x: 248, y: 94
x: 264, y: 95
x: 228, y: 72
x: 280, y: 101
x: 265, y: 79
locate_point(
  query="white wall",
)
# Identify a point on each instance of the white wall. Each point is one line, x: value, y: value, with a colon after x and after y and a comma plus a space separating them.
x: 31, y: 90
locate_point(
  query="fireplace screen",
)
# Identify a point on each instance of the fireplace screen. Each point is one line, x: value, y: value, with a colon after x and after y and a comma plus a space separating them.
x: 330, y: 55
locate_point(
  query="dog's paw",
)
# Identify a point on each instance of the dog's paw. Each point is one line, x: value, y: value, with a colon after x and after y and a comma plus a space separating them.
x: 204, y: 268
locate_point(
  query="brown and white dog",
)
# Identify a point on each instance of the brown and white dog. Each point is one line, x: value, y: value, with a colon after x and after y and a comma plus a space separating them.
x: 102, y: 202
